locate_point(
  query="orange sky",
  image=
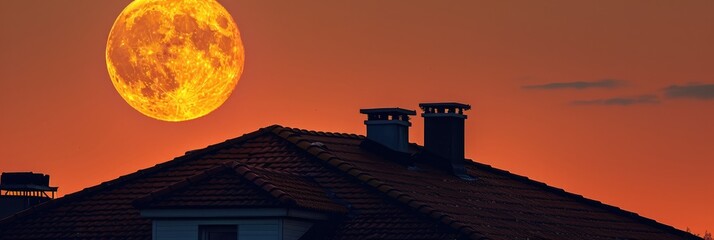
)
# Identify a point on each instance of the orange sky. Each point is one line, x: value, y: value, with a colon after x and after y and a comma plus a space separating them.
x: 313, y: 64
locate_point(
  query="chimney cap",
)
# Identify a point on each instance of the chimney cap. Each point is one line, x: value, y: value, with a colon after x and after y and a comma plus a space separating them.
x: 388, y: 111
x: 423, y: 106
x: 451, y: 109
x: 388, y: 114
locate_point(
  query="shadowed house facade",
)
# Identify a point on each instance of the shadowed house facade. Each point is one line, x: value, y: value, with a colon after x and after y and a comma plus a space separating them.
x: 288, y: 183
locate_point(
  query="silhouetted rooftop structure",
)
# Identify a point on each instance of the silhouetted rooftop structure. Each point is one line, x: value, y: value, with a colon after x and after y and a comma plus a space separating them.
x: 21, y: 190
x: 25, y: 183
x: 353, y: 188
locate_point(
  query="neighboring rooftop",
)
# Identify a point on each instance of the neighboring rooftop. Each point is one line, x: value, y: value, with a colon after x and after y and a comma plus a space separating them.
x: 370, y: 192
x: 22, y: 190
x: 23, y: 182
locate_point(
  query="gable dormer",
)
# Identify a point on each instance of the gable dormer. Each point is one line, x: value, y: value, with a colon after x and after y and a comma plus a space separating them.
x: 236, y: 201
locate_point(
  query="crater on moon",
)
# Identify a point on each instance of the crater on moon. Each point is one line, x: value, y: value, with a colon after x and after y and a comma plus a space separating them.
x: 174, y: 60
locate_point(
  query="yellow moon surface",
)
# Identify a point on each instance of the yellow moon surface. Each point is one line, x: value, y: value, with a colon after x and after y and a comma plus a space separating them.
x: 174, y: 60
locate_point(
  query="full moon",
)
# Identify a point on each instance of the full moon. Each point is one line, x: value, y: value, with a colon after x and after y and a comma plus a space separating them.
x: 174, y: 60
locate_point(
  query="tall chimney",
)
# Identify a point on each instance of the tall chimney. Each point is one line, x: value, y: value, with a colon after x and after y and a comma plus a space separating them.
x: 389, y: 127
x: 444, y: 133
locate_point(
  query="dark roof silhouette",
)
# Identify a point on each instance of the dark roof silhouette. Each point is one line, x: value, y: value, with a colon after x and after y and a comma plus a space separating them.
x: 371, y: 193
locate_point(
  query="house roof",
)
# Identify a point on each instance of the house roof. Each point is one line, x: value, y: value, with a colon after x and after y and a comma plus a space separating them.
x: 234, y: 185
x: 373, y: 194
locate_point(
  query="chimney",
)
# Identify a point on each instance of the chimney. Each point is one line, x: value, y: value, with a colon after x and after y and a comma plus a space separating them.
x: 389, y: 127
x: 444, y: 133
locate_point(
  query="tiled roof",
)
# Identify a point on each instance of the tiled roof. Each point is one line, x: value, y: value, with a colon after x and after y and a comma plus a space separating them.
x: 239, y: 185
x: 376, y: 194
x: 218, y: 187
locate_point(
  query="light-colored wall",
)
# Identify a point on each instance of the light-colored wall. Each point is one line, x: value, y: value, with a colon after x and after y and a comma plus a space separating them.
x: 253, y: 229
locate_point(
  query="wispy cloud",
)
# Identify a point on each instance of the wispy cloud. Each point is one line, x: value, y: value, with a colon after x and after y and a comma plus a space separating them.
x: 697, y: 91
x: 619, y: 101
x: 604, y: 83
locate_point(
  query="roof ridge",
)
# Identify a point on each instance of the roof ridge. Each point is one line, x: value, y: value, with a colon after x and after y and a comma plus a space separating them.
x: 155, y: 195
x: 270, y: 170
x: 323, y: 133
x: 346, y: 167
x: 249, y: 174
x: 189, y: 155
x: 257, y: 176
x: 581, y: 198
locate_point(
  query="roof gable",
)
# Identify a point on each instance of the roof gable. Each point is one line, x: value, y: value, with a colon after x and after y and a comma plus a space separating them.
x: 233, y: 185
x: 217, y: 187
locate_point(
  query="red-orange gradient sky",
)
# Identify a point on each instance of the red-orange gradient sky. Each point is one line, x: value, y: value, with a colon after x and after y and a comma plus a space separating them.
x: 313, y: 64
